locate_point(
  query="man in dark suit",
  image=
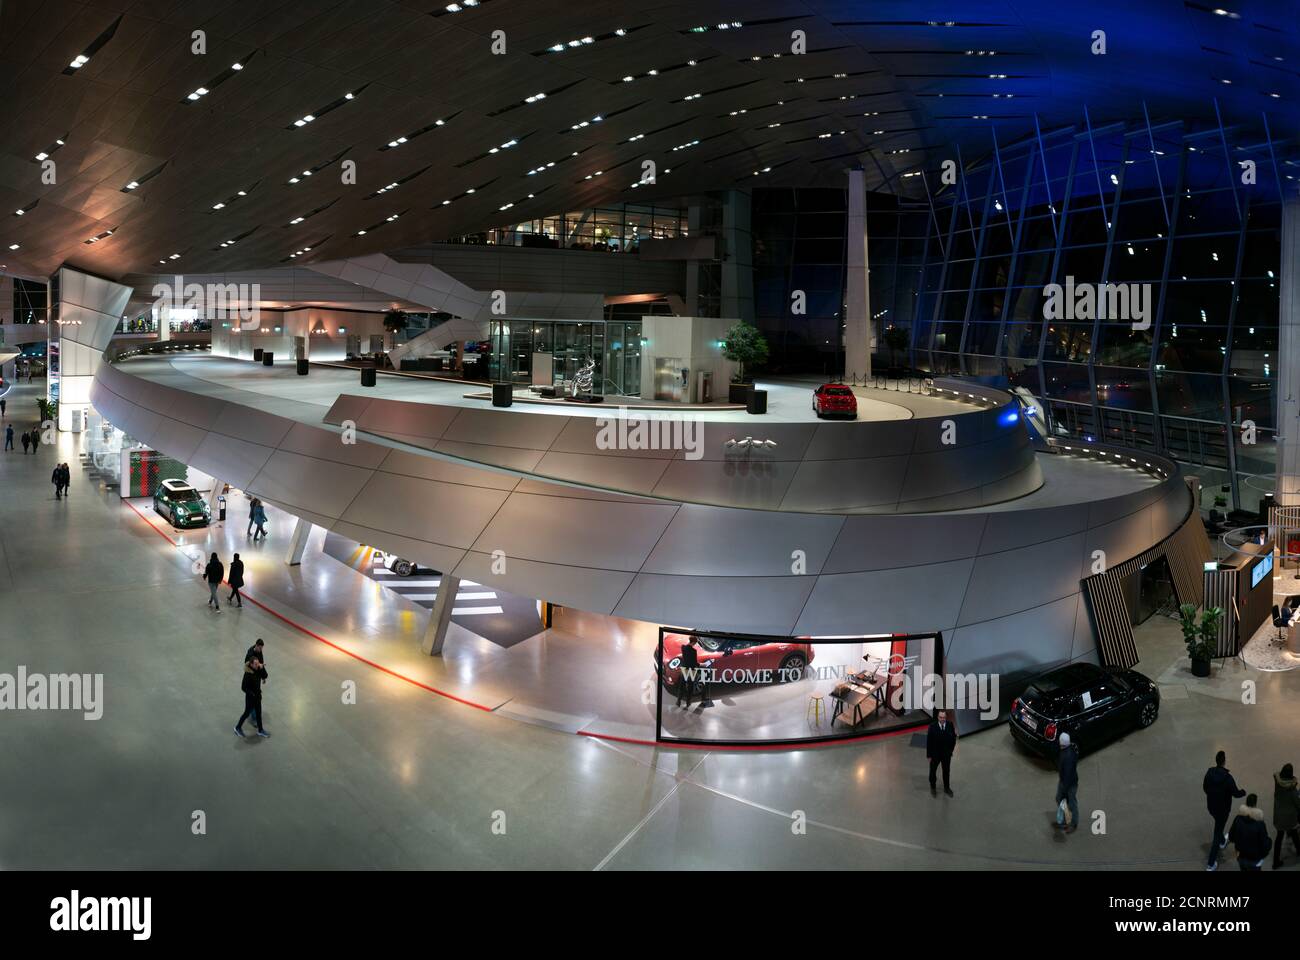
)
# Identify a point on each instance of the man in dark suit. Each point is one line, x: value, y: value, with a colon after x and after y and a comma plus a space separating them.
x: 1220, y: 789
x: 940, y: 744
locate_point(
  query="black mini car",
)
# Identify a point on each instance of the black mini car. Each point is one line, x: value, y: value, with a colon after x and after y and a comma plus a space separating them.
x: 1092, y: 705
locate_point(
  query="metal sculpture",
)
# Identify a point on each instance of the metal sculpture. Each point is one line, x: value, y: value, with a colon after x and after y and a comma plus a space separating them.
x: 583, y: 381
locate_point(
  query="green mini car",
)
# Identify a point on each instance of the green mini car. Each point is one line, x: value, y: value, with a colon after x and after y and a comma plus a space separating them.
x: 181, y: 504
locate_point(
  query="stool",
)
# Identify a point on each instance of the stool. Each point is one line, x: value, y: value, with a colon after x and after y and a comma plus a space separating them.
x: 815, y: 708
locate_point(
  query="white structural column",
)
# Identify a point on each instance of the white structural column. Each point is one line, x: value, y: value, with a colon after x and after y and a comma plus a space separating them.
x: 1288, y: 367
x: 90, y: 309
x: 435, y: 634
x: 214, y: 494
x: 298, y: 542
x: 857, y: 299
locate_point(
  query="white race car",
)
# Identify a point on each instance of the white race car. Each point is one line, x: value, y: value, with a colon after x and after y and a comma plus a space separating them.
x: 391, y: 561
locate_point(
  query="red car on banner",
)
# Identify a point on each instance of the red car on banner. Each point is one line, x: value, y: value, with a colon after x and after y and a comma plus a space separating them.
x: 734, y: 660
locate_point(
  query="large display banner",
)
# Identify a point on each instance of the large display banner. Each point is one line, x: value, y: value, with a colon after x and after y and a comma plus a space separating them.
x: 144, y: 470
x: 736, y: 689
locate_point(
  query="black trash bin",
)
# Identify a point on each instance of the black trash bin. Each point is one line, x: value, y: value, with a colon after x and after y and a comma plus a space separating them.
x: 268, y: 358
x: 302, y: 366
x: 367, y: 376
x: 257, y: 354
x: 757, y: 401
x: 221, y: 507
x: 739, y: 392
x: 503, y: 394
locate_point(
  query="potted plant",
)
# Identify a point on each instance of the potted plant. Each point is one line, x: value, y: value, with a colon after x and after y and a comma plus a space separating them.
x: 395, y: 321
x: 896, y: 339
x: 1200, y: 637
x: 49, y: 410
x: 744, y: 345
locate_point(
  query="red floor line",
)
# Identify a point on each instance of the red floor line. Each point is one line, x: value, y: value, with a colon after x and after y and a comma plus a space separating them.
x: 479, y: 706
x: 315, y: 636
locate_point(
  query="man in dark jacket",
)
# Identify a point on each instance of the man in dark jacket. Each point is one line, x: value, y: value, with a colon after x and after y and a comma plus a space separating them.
x: 255, y: 652
x: 1067, y: 783
x: 1219, y: 789
x: 940, y: 744
x: 236, y: 580
x: 1286, y: 811
x: 254, y: 674
x: 56, y: 478
x: 214, y: 573
x: 690, y: 662
x: 1250, y: 835
x: 65, y: 475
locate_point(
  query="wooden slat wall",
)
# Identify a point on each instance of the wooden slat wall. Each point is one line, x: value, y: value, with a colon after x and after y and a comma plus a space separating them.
x: 1186, y: 551
x: 1221, y: 591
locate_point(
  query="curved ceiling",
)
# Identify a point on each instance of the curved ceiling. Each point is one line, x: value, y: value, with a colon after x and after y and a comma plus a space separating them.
x: 412, y: 92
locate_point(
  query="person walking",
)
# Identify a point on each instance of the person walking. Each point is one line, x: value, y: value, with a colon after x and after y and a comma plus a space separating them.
x: 214, y: 572
x: 36, y: 437
x: 236, y: 580
x: 259, y: 518
x: 252, y: 515
x: 1067, y: 783
x: 3, y: 403
x: 686, y: 673
x: 1220, y: 788
x: 256, y: 652
x: 56, y: 478
x: 9, y: 436
x: 27, y: 442
x: 1249, y: 835
x: 254, y: 674
x: 67, y: 478
x: 1286, y: 812
x: 940, y: 745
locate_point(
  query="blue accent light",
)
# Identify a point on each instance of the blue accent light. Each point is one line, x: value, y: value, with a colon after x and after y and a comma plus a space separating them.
x: 1009, y: 418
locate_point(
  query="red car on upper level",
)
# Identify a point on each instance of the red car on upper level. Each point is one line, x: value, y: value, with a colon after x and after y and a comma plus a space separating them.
x: 835, y: 400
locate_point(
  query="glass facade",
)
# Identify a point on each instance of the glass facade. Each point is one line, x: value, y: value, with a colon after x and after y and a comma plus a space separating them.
x: 31, y: 297
x: 798, y: 237
x: 615, y: 346
x: 1188, y: 233
x: 617, y: 229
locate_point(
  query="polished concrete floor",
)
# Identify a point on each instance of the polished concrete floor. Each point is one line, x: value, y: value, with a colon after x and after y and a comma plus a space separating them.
x: 280, y: 390
x: 405, y: 778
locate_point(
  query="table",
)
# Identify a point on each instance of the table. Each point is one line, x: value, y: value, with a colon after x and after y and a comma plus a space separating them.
x: 850, y: 696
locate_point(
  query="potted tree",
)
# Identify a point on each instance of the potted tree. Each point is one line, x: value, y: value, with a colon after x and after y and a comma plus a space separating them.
x: 744, y: 345
x: 1200, y: 637
x: 395, y: 321
x: 896, y: 339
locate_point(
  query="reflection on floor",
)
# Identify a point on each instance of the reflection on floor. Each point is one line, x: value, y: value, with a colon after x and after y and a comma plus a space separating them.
x: 503, y: 618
